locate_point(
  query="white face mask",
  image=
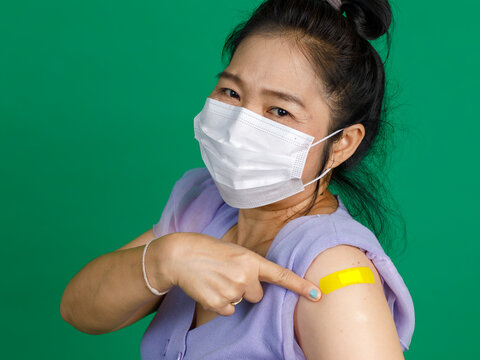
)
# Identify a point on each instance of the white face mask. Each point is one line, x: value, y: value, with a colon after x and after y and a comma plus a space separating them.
x: 253, y: 160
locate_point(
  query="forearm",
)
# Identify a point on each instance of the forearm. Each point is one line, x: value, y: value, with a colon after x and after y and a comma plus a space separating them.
x: 108, y: 290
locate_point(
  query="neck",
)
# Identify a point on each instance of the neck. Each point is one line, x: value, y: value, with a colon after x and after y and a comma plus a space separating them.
x: 257, y: 227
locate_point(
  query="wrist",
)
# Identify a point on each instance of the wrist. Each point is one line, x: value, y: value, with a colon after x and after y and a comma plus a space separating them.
x: 158, y: 264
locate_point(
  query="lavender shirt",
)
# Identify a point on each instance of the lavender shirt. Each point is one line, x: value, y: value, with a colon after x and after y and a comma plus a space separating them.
x: 263, y: 330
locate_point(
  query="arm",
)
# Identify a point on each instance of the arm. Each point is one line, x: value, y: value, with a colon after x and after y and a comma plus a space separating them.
x: 110, y: 293
x: 350, y: 323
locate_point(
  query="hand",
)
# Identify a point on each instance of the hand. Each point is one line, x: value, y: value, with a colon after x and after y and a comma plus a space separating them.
x: 216, y: 273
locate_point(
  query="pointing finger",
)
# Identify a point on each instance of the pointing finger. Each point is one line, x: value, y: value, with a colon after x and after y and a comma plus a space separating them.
x: 278, y: 275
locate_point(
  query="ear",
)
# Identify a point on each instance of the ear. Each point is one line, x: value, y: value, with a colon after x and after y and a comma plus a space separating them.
x: 351, y: 138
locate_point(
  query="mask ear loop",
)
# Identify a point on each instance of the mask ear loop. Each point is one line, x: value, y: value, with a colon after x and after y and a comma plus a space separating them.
x: 310, y: 182
x: 326, y: 137
x: 326, y: 171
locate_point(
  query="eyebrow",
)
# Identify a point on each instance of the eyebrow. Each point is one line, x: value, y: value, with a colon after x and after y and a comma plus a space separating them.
x: 278, y: 94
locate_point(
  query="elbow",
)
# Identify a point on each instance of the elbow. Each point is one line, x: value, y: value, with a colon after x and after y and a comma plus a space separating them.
x: 86, y: 330
x: 66, y: 314
x: 64, y: 309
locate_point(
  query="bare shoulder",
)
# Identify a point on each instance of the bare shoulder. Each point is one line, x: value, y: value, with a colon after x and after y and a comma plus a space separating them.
x: 353, y: 322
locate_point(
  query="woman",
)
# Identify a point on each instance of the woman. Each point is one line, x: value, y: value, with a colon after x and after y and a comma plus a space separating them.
x: 233, y: 266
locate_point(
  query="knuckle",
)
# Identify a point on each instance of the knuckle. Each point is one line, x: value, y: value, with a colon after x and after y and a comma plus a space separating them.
x: 250, y: 260
x: 231, y: 295
x: 215, y: 304
x: 254, y: 292
x: 284, y: 275
x: 258, y: 297
x: 227, y: 311
x: 218, y: 304
x: 238, y: 275
x: 242, y: 278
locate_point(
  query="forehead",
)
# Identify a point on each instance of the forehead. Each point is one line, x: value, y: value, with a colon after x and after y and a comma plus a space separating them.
x: 275, y: 62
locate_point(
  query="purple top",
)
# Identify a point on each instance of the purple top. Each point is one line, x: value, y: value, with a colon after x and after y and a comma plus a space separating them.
x: 263, y: 330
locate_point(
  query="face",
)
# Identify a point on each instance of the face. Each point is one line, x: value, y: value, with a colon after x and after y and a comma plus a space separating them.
x: 261, y: 69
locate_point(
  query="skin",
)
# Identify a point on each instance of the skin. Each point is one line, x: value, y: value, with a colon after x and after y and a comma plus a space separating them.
x: 350, y: 323
x: 353, y: 322
x: 276, y: 64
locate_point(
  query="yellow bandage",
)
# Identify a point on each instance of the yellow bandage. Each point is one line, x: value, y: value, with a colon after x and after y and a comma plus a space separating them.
x: 338, y: 279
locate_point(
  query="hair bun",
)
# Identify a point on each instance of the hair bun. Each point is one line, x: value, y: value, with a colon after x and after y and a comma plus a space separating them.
x: 371, y: 17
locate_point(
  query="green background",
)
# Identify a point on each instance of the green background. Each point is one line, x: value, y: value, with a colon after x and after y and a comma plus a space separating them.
x: 97, y: 100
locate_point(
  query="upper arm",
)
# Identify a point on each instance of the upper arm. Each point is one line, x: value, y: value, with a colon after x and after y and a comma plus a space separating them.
x: 352, y: 322
x: 166, y: 225
x: 139, y: 241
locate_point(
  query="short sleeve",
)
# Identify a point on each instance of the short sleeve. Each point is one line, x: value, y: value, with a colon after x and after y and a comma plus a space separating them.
x: 302, y: 245
x: 398, y: 297
x: 166, y: 224
x: 191, y: 205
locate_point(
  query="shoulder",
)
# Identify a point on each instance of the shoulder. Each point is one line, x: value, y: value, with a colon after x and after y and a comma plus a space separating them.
x: 302, y: 240
x: 317, y: 246
x: 192, y: 178
x: 192, y: 203
x: 196, y: 188
x: 351, y: 320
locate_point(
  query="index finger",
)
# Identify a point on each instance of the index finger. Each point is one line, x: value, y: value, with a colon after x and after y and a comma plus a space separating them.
x: 275, y: 274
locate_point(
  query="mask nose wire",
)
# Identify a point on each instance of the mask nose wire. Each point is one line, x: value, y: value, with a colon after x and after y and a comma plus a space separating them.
x: 325, y: 138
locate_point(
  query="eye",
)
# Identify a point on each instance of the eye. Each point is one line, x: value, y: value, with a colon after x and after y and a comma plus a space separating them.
x: 222, y: 90
x: 281, y: 111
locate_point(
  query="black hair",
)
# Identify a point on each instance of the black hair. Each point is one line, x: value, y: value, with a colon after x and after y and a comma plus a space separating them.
x: 336, y: 43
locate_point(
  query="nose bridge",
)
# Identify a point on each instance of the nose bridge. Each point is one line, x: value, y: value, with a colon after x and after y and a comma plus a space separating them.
x: 252, y: 98
x: 253, y: 103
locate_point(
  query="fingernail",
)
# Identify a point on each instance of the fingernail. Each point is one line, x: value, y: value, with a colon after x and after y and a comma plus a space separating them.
x: 314, y: 294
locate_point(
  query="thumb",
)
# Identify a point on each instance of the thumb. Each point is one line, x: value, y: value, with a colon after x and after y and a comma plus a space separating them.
x: 278, y: 275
